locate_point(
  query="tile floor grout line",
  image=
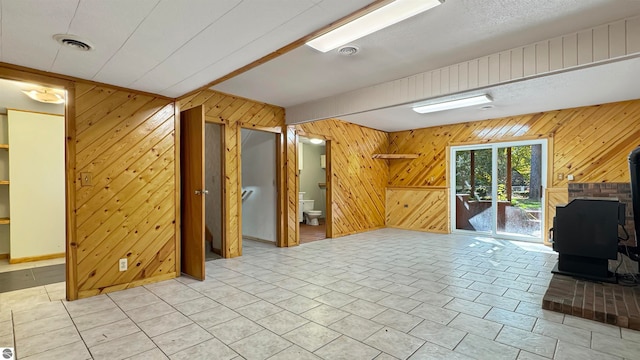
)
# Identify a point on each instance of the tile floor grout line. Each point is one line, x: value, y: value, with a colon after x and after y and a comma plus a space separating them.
x: 78, y: 330
x: 252, y: 265
x: 135, y: 323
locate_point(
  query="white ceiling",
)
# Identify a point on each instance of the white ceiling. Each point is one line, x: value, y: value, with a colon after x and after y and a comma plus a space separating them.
x: 456, y: 31
x: 171, y: 47
x: 168, y: 47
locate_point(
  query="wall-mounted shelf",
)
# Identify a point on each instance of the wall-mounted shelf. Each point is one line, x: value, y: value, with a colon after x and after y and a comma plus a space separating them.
x: 394, y: 156
x: 4, y: 221
x: 4, y: 146
x: 4, y: 182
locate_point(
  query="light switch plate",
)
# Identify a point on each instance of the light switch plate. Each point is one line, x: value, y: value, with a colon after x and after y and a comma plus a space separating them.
x: 86, y: 179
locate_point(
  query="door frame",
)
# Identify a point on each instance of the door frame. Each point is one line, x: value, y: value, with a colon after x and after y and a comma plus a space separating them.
x: 544, y: 142
x: 223, y: 185
x: 281, y: 190
x: 328, y: 191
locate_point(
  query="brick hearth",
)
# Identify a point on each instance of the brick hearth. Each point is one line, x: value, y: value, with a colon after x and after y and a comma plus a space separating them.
x: 608, y: 303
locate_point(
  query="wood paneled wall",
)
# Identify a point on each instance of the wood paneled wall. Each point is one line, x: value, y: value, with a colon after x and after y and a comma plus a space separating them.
x: 234, y: 113
x: 357, y: 181
x: 290, y: 177
x: 125, y: 142
x: 554, y: 197
x: 592, y: 143
x: 418, y: 209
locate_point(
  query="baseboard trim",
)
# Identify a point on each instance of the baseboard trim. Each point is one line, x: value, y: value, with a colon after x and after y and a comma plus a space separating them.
x: 93, y: 292
x: 421, y: 230
x: 35, y: 258
x: 258, y: 239
x: 337, y: 235
x: 4, y: 256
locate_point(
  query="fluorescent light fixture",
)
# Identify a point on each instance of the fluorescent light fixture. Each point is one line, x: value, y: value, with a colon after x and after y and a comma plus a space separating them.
x: 316, y: 141
x: 46, y: 95
x: 367, y: 24
x: 453, y: 104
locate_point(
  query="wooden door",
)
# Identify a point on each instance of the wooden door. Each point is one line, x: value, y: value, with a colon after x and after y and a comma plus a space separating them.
x: 192, y: 193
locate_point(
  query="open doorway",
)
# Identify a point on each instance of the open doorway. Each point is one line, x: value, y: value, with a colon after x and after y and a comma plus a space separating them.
x: 259, y: 189
x: 213, y: 185
x: 313, y: 180
x: 32, y: 193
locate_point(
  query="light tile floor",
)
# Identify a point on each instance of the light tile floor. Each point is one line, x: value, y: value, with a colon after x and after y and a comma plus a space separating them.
x: 386, y: 294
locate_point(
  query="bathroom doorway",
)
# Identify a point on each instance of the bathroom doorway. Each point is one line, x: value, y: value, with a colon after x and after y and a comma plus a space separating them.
x: 313, y: 184
x: 259, y: 189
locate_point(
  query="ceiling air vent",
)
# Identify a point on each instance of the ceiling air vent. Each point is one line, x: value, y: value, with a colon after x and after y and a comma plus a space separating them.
x: 74, y: 42
x: 348, y: 50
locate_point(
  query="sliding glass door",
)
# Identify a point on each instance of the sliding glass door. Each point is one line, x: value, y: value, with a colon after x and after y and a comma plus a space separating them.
x: 498, y: 189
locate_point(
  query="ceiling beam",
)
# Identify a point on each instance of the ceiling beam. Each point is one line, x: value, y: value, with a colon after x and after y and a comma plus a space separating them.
x: 595, y: 46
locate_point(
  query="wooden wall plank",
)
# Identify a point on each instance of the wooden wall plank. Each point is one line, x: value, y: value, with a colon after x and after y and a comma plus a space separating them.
x: 292, y: 187
x: 554, y: 197
x: 592, y: 143
x: 418, y: 209
x: 126, y: 141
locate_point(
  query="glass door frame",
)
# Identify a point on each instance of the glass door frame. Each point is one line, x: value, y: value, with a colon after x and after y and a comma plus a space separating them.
x: 494, y: 187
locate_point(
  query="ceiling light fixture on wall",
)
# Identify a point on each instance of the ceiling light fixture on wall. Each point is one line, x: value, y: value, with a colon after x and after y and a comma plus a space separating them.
x: 453, y: 104
x: 46, y: 95
x: 374, y: 21
x: 316, y: 141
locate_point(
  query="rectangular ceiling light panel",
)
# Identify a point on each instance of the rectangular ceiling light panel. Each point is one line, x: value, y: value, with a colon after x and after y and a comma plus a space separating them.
x: 367, y: 24
x: 453, y: 104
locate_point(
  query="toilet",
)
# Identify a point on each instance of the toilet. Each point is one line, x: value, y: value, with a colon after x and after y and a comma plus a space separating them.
x: 310, y: 216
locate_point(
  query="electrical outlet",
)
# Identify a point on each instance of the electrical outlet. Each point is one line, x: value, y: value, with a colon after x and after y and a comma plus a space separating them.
x: 560, y: 176
x: 570, y: 177
x: 123, y: 265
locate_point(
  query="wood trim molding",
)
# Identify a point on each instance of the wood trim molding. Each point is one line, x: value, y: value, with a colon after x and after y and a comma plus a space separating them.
x: 293, y: 45
x: 359, y: 231
x: 177, y: 177
x: 93, y: 292
x: 328, y: 192
x: 70, y: 174
x: 35, y: 112
x: 16, y: 72
x: 281, y: 202
x: 316, y: 136
x: 4, y: 256
x: 224, y: 214
x: 501, y: 140
x: 213, y: 119
x: 35, y: 258
x: 421, y: 230
x: 275, y: 129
